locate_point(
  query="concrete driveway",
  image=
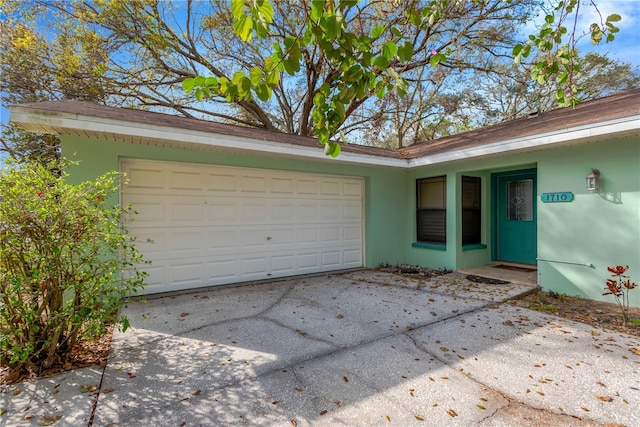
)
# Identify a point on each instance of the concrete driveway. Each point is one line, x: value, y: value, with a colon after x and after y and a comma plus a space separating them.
x: 364, y: 348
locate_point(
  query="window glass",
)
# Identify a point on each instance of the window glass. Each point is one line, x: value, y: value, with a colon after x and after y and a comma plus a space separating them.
x: 431, y: 201
x: 471, y: 210
x: 520, y: 200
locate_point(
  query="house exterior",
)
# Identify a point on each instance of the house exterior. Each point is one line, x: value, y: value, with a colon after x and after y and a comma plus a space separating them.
x: 226, y: 204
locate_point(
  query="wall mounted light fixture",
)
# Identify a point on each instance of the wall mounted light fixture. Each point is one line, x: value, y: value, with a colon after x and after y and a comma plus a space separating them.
x: 593, y: 180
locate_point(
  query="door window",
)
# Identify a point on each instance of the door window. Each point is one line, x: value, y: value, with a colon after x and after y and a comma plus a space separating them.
x: 520, y: 200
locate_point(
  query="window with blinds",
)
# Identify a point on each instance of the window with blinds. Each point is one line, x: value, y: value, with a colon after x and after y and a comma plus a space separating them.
x: 471, y: 210
x: 431, y: 215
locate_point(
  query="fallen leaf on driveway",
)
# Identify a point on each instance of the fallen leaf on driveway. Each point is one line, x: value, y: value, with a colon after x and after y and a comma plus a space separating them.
x: 107, y: 390
x: 48, y: 420
x: 324, y: 411
x: 635, y: 351
x: 452, y: 413
x: 184, y: 314
x: 197, y: 393
x: 419, y: 418
x: 87, y: 387
x: 345, y: 379
x: 605, y: 398
x: 339, y: 316
x: 481, y: 407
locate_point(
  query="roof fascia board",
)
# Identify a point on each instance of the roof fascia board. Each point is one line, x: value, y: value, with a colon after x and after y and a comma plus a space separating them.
x: 151, y: 131
x: 557, y: 138
x: 239, y: 143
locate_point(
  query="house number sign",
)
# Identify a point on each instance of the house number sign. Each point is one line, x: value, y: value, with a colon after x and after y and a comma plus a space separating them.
x: 566, y: 196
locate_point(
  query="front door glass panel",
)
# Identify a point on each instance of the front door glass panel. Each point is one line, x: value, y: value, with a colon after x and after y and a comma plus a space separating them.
x: 520, y: 200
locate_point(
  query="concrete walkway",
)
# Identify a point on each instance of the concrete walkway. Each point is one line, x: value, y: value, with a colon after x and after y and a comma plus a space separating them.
x: 355, y: 349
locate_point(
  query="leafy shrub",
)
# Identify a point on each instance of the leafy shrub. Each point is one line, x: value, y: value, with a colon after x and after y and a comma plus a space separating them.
x: 66, y: 263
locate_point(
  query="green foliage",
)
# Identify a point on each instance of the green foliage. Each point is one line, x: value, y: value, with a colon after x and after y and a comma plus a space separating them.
x: 559, y: 56
x: 357, y: 71
x: 66, y: 263
x: 360, y: 70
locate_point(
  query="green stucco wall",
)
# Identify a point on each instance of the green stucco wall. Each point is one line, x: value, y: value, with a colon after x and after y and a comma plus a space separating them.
x: 598, y: 229
x: 384, y: 195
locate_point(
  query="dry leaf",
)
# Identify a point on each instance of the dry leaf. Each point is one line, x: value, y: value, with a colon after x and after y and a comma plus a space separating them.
x: 324, y: 411
x: 635, y: 351
x: 197, y: 393
x: 48, y: 420
x: 345, y: 379
x: 445, y: 349
x: 540, y: 393
x: 88, y: 387
x: 16, y: 392
x: 484, y: 399
x: 293, y: 423
x: 419, y: 418
x: 107, y: 390
x: 445, y: 378
x: 339, y: 316
x: 388, y: 418
x: 600, y: 383
x: 184, y: 314
x: 298, y: 389
x: 481, y: 407
x: 605, y: 398
x: 585, y: 409
x: 452, y: 413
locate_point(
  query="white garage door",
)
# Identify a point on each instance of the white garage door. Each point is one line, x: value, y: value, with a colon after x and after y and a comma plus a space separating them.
x: 214, y: 225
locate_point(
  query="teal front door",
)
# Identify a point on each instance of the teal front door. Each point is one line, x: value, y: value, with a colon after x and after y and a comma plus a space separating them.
x: 515, y: 224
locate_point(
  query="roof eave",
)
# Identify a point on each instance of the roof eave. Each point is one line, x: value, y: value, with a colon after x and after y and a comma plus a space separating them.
x: 617, y: 128
x: 62, y: 123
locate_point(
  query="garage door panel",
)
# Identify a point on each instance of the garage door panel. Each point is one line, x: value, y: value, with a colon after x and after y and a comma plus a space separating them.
x: 307, y: 261
x: 253, y: 266
x: 187, y: 273
x: 144, y: 177
x: 185, y: 180
x: 282, y: 186
x: 330, y: 234
x: 330, y: 259
x: 185, y: 210
x: 223, y: 183
x: 214, y: 225
x: 308, y: 235
x: 330, y: 188
x: 352, y: 189
x: 352, y: 257
x: 221, y: 210
x: 223, y: 271
x: 253, y: 184
x: 352, y: 233
x: 283, y: 264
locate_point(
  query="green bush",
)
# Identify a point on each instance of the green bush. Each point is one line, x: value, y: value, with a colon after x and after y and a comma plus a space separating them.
x: 66, y: 263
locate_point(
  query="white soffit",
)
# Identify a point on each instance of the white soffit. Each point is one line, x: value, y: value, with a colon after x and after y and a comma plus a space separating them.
x: 74, y: 124
x: 627, y: 126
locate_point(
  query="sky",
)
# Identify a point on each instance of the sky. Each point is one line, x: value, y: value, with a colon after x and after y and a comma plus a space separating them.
x: 626, y: 46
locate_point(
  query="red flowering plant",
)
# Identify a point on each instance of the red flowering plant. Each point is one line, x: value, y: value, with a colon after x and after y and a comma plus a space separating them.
x: 619, y: 287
